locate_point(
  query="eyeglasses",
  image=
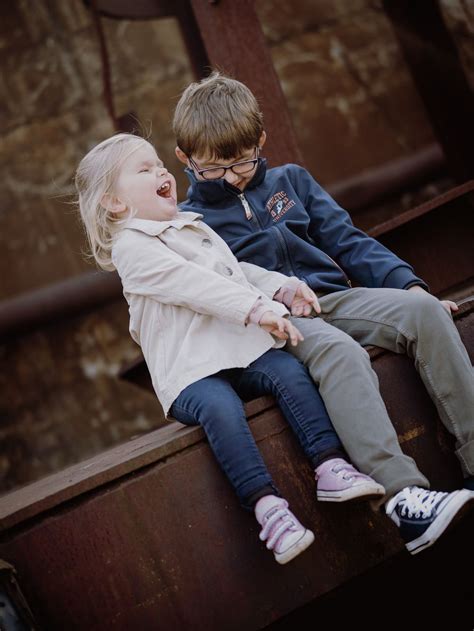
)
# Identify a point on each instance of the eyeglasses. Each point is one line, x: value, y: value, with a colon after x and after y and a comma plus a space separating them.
x: 215, y: 173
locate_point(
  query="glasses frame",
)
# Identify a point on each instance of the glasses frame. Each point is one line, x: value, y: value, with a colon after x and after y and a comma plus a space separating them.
x: 202, y: 172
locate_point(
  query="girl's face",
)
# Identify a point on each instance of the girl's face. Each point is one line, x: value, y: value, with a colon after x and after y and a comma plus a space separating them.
x: 144, y: 184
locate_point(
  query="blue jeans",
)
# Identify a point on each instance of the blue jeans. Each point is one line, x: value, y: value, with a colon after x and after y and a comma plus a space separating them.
x: 216, y: 403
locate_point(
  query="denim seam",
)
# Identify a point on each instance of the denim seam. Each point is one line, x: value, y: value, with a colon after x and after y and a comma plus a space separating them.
x: 225, y: 462
x: 180, y: 407
x: 284, y: 393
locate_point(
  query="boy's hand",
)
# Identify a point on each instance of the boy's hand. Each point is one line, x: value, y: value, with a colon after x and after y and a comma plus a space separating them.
x: 304, y: 302
x: 280, y: 327
x: 449, y: 305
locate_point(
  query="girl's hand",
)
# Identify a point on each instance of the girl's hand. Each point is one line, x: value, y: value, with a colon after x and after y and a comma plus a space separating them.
x: 280, y: 327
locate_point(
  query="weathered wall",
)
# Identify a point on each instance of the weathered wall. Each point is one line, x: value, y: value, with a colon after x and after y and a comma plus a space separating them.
x: 353, y: 105
x: 53, y: 112
x: 353, y: 102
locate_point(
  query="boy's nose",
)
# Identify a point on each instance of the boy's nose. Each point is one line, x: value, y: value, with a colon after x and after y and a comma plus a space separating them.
x: 231, y: 177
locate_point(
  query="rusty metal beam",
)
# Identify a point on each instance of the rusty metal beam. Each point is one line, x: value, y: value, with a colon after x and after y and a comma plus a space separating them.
x: 374, y: 186
x: 136, y: 10
x: 138, y: 523
x: 235, y: 43
x: 47, y: 305
x: 436, y: 238
x: 226, y: 35
x: 433, y: 60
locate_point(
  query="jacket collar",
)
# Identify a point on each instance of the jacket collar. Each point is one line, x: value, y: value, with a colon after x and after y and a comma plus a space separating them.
x: 217, y: 190
x: 154, y: 228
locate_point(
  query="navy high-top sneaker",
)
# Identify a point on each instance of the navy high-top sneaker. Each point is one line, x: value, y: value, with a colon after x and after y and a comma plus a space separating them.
x: 423, y: 516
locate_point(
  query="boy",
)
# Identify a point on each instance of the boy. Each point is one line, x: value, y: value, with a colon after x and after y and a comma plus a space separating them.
x: 282, y: 220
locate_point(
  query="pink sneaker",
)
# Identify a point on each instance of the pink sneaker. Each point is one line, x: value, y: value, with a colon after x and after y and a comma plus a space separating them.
x: 280, y: 529
x: 339, y: 481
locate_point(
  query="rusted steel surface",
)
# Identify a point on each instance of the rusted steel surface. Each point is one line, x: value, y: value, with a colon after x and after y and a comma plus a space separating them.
x: 226, y: 35
x: 433, y: 60
x: 156, y: 9
x: 458, y: 192
x: 234, y: 42
x: 164, y: 545
x: 437, y: 240
x: 56, y: 301
x: 115, y: 463
x: 136, y: 10
x: 376, y: 185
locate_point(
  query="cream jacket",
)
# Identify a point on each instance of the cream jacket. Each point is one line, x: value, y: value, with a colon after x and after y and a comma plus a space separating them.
x: 189, y: 299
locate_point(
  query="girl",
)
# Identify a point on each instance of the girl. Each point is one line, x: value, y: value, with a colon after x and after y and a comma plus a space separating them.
x: 209, y: 337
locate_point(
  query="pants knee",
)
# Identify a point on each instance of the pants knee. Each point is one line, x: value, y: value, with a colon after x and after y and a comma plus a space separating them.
x: 348, y: 349
x: 424, y: 309
x: 343, y: 356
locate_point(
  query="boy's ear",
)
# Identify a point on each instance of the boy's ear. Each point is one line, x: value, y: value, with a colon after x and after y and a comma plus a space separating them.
x: 182, y: 157
x: 262, y: 139
x: 112, y: 204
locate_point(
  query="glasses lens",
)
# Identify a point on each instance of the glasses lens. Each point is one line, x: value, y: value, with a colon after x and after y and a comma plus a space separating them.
x: 244, y: 167
x: 213, y: 174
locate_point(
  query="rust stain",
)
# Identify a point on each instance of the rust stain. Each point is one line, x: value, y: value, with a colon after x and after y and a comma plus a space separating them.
x: 411, y: 434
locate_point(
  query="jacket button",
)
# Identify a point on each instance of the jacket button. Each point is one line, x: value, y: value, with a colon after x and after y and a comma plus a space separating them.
x: 206, y: 243
x: 228, y: 271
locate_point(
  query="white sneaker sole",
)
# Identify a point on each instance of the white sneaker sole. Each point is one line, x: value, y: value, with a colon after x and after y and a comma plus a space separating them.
x: 367, y: 491
x: 299, y: 546
x: 451, y: 513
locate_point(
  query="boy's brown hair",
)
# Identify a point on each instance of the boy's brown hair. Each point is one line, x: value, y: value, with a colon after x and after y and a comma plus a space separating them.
x: 217, y: 118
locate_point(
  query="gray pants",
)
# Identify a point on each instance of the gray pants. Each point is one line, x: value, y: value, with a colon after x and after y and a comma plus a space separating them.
x: 403, y: 322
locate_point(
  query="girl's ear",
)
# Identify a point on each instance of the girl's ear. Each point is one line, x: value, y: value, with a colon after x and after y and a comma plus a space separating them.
x: 112, y: 204
x: 262, y: 139
x: 182, y: 157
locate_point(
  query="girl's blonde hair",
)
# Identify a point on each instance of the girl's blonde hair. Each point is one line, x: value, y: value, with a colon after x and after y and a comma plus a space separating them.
x: 96, y: 176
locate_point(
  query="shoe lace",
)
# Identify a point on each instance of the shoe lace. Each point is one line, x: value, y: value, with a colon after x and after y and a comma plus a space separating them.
x: 345, y: 471
x: 274, y: 530
x: 419, y: 502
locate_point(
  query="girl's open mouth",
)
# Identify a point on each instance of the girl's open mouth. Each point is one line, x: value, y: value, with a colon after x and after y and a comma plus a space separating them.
x: 165, y: 190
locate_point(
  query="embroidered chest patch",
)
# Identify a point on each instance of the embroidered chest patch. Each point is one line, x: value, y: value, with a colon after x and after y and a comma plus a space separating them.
x: 279, y: 204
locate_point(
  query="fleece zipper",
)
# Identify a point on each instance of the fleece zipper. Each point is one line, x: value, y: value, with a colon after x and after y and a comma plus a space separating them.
x: 286, y: 254
x: 249, y: 214
x: 339, y: 267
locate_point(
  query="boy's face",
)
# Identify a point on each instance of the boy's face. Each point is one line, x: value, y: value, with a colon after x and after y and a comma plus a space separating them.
x: 143, y: 183
x: 242, y: 171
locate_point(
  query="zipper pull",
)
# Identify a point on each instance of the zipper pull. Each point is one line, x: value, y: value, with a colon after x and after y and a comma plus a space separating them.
x: 246, y: 205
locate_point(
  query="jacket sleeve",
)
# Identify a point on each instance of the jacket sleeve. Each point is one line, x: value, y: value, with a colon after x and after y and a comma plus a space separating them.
x: 148, y: 268
x: 363, y: 258
x: 266, y: 281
